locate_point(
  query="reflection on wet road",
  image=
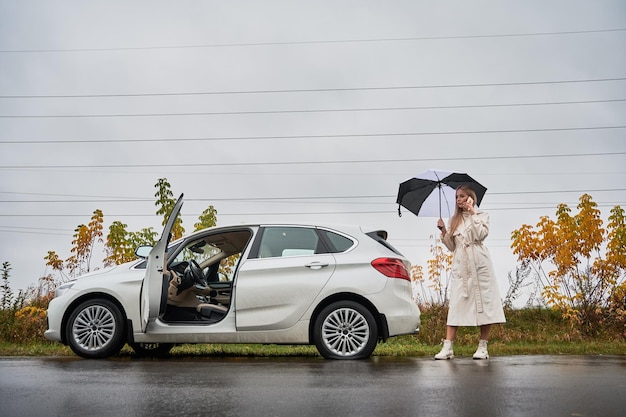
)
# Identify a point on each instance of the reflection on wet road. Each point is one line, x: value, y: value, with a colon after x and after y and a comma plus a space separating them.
x: 502, y: 386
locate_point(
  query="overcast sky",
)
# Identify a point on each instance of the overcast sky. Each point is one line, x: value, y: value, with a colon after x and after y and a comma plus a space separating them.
x: 303, y: 111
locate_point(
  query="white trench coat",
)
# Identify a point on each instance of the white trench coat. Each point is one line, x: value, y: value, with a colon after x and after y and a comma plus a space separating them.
x: 474, y: 295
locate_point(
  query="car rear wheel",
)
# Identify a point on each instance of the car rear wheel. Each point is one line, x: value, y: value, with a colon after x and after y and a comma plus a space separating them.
x: 95, y: 329
x: 345, y: 330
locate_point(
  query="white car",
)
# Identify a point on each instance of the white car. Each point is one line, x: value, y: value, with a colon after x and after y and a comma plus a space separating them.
x: 340, y: 288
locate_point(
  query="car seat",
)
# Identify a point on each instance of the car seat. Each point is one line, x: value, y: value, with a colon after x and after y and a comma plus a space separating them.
x: 182, y: 300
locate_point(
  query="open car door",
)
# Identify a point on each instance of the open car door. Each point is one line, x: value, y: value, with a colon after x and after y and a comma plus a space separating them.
x: 152, y: 286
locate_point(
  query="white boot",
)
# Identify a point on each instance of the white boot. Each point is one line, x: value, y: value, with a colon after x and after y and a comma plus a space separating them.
x: 446, y: 351
x: 481, y: 352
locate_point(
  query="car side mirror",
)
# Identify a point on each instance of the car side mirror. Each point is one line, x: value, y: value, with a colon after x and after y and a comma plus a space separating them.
x: 143, y: 251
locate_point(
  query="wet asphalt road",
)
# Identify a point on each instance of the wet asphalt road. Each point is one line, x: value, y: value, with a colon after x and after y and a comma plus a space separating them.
x: 503, y: 386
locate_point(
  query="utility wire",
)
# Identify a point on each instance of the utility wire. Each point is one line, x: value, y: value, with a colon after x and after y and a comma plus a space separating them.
x: 36, y: 232
x: 307, y: 199
x: 313, y: 42
x: 286, y: 213
x: 352, y: 135
x: 70, y: 198
x: 286, y: 163
x: 257, y: 112
x: 318, y: 90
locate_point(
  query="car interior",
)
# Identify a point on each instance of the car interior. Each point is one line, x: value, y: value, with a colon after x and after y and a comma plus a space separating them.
x: 200, y: 281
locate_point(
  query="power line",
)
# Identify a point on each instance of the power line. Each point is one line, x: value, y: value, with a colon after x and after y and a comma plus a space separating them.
x: 69, y: 195
x: 287, y: 163
x: 73, y: 198
x: 308, y: 199
x: 285, y: 213
x: 314, y: 42
x: 294, y: 137
x: 292, y: 199
x: 317, y: 90
x: 35, y: 230
x: 67, y: 233
x: 257, y: 112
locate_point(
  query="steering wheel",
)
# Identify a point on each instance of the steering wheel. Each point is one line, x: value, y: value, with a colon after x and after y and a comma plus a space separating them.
x: 196, y: 273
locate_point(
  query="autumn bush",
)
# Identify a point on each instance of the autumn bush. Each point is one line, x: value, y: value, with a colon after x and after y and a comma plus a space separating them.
x: 26, y: 324
x: 23, y: 316
x: 580, y: 264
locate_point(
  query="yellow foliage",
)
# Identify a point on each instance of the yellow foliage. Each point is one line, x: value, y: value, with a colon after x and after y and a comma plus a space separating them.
x: 30, y: 323
x: 417, y: 273
x: 433, y: 287
x: 582, y: 282
x: 30, y: 313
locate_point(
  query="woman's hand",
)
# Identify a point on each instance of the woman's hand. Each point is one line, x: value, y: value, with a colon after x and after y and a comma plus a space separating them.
x: 441, y: 226
x: 469, y: 205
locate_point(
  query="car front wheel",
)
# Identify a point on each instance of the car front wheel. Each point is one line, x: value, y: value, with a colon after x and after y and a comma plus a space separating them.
x: 95, y: 329
x: 345, y: 330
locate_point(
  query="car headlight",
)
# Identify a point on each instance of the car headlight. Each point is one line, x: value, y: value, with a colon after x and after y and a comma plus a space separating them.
x: 63, y: 289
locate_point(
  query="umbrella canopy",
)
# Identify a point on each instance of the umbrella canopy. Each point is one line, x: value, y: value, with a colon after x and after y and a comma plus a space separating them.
x: 433, y: 193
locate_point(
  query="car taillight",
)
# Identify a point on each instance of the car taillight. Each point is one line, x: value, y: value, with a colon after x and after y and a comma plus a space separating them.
x: 392, y: 268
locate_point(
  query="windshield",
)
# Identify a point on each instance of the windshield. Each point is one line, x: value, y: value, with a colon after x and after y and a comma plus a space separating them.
x: 213, y: 252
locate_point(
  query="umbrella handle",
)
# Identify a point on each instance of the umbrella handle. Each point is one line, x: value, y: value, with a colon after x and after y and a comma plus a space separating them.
x: 439, y: 186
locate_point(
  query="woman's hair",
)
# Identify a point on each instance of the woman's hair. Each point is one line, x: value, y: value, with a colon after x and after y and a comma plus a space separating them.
x: 458, y: 212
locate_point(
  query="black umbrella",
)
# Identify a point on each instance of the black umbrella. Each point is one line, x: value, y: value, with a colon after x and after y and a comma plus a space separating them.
x: 418, y: 194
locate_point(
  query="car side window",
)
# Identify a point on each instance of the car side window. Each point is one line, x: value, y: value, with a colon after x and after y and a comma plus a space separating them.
x: 290, y: 241
x: 337, y: 242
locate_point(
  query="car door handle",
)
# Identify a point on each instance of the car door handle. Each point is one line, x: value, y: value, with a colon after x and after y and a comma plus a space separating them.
x: 316, y: 265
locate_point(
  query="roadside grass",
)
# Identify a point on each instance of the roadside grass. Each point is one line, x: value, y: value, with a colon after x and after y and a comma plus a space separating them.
x: 527, y: 332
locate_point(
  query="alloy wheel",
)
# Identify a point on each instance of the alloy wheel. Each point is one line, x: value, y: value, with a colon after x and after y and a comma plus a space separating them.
x: 94, y: 327
x: 345, y: 332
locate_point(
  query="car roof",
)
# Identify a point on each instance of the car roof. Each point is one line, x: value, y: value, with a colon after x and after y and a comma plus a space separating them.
x: 340, y: 227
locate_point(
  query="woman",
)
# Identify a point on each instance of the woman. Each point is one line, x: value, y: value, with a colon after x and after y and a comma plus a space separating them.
x: 474, y: 295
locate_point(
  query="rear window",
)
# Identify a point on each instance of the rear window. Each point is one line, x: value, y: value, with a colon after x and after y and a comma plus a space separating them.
x: 380, y: 236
